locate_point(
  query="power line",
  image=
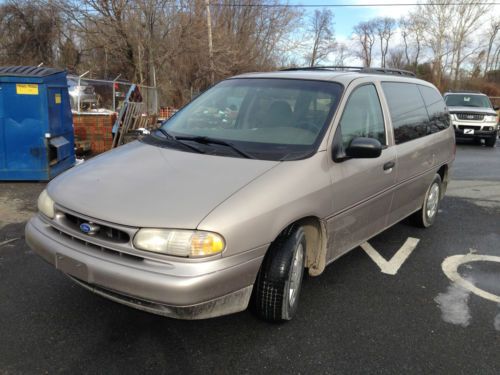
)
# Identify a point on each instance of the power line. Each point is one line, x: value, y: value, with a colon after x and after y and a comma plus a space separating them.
x: 278, y: 5
x: 345, y: 5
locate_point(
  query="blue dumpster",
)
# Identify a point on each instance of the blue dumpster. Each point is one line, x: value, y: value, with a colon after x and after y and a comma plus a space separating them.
x: 36, y: 125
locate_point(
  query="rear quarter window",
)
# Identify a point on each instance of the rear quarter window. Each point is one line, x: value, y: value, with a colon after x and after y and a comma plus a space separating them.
x: 436, y: 108
x: 408, y: 113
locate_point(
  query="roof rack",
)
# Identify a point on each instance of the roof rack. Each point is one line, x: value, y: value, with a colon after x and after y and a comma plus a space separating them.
x: 329, y: 67
x: 358, y: 69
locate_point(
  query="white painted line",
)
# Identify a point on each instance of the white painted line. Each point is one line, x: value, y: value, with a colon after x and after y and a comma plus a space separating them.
x: 450, y: 268
x: 8, y: 241
x: 392, y: 266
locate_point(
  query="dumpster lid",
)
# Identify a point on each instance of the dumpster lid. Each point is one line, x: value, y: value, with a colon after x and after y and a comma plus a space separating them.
x: 28, y: 71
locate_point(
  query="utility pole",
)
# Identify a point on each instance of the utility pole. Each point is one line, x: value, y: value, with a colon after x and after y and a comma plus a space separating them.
x: 210, y: 46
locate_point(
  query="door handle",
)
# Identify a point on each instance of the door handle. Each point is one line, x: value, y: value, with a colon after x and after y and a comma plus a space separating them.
x: 389, y: 165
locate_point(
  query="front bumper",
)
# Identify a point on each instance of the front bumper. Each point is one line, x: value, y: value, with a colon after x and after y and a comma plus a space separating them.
x: 478, y: 134
x: 185, y: 290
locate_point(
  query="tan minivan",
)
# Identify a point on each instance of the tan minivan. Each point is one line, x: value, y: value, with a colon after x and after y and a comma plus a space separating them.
x: 262, y: 176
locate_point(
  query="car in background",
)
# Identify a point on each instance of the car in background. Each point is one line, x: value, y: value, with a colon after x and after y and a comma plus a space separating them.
x: 84, y: 91
x: 473, y: 116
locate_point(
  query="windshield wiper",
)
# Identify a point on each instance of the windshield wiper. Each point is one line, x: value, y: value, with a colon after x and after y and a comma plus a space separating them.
x: 215, y: 141
x: 178, y: 141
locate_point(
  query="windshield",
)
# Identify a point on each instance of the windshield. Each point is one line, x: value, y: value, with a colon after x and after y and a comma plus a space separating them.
x: 467, y: 100
x: 273, y: 119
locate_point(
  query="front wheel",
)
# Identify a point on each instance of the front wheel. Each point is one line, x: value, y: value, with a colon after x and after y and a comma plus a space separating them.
x: 425, y: 217
x: 277, y: 288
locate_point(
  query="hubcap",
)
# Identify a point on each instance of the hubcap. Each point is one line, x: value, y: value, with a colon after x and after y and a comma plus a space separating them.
x: 432, y: 200
x: 296, y: 274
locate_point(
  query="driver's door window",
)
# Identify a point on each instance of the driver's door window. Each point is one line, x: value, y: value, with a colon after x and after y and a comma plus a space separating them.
x: 363, y: 116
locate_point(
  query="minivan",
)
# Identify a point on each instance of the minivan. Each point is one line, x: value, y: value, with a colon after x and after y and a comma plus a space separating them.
x: 262, y: 177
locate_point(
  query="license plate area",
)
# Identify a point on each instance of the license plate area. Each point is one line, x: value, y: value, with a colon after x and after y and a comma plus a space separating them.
x: 468, y: 131
x: 72, y: 267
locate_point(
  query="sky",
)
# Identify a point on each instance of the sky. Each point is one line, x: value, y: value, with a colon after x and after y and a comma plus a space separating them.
x: 345, y: 18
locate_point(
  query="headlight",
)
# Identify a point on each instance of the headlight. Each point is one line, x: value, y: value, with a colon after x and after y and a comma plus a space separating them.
x: 46, y: 204
x: 184, y: 243
x: 490, y: 118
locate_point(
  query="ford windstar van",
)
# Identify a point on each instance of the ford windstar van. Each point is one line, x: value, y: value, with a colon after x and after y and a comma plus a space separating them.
x: 262, y: 177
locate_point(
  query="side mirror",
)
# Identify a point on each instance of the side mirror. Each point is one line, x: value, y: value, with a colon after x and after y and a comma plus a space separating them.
x: 496, y: 108
x: 364, y: 148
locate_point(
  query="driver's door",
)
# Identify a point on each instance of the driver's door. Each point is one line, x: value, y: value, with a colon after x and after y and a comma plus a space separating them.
x: 362, y: 188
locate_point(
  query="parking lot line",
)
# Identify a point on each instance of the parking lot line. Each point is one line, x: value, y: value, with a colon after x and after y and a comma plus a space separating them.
x: 392, y: 266
x: 450, y: 268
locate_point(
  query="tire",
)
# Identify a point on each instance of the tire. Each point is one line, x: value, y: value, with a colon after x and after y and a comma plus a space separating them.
x: 490, y: 142
x: 425, y: 217
x: 277, y: 288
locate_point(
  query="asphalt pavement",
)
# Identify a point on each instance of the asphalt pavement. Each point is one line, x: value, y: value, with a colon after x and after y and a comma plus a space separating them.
x: 353, y: 319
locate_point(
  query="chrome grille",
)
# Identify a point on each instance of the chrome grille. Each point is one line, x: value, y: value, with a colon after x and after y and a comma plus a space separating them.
x: 105, y: 232
x: 470, y: 116
x: 98, y: 248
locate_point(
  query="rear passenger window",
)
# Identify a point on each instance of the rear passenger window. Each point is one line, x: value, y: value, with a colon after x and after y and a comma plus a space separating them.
x: 436, y: 108
x: 362, y: 116
x: 408, y: 113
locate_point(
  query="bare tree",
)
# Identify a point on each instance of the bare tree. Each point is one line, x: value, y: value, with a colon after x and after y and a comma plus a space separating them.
x: 396, y: 59
x: 492, y: 37
x: 412, y: 28
x: 321, y: 30
x: 341, y: 54
x: 385, y: 27
x: 30, y: 32
x: 165, y: 42
x: 495, y: 62
x: 438, y: 16
x: 364, y: 34
x: 467, y: 17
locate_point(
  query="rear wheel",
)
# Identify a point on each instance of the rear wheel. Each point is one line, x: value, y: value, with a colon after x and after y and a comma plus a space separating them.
x: 425, y: 217
x: 277, y: 289
x: 490, y: 142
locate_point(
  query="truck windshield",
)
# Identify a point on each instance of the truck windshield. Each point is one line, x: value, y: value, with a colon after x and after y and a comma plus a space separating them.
x: 273, y: 119
x: 467, y: 100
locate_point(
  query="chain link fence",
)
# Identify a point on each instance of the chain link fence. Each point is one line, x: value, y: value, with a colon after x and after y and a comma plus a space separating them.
x: 102, y: 96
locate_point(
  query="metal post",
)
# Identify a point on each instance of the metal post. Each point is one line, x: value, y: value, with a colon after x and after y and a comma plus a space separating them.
x: 114, y: 93
x: 155, y: 92
x: 210, y: 47
x: 79, y: 85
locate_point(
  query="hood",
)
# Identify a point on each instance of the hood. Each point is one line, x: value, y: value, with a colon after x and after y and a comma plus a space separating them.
x: 147, y: 186
x: 481, y: 110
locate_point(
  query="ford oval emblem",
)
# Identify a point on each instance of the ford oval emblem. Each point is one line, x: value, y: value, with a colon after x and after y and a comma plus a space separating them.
x: 89, y: 228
